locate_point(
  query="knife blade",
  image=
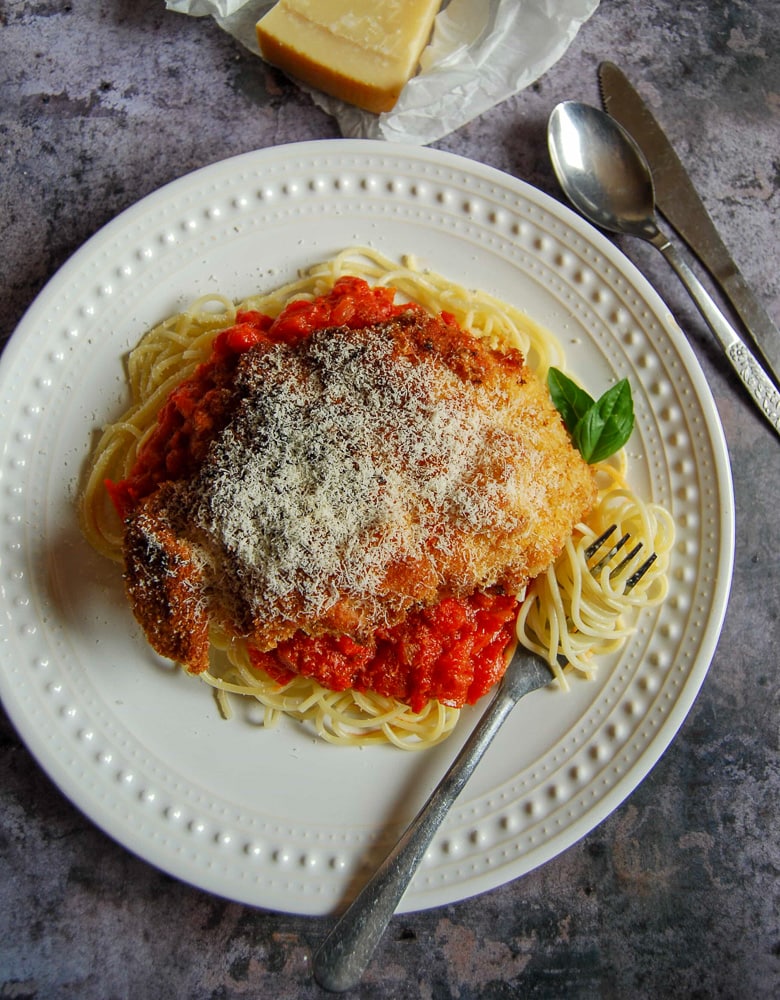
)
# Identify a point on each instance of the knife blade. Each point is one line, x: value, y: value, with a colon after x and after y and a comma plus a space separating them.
x: 679, y: 202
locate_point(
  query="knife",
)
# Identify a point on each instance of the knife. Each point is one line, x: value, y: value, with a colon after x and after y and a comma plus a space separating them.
x: 678, y: 201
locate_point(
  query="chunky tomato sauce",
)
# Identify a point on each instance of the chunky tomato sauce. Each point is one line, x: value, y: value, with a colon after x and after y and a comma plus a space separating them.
x: 197, y: 409
x: 453, y: 652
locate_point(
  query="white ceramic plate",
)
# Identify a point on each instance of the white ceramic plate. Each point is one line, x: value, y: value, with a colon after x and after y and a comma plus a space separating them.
x: 276, y: 818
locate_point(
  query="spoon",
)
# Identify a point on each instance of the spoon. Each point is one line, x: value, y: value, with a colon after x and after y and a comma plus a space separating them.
x: 607, y: 178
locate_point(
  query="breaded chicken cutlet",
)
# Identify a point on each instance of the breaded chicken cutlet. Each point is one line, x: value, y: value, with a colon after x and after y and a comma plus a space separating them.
x: 360, y: 475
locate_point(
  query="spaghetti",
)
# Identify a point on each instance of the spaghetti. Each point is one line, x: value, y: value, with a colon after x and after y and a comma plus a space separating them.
x: 567, y: 612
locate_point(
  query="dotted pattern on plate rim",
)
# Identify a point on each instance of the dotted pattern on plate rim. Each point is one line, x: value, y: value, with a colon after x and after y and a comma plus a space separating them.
x: 588, y: 763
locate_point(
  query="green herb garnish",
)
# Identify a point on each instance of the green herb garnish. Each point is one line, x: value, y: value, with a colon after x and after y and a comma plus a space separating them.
x: 598, y: 428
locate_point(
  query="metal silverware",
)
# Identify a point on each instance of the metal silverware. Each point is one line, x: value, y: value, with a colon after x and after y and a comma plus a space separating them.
x: 343, y: 956
x: 605, y: 176
x: 679, y: 203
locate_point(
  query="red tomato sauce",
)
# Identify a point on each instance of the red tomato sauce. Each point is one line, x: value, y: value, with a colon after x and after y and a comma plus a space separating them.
x: 199, y: 408
x: 453, y: 652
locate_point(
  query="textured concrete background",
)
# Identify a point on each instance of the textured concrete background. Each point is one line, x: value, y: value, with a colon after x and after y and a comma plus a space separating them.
x: 676, y: 894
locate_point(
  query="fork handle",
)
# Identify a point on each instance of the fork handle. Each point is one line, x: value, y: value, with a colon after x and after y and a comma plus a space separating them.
x: 346, y: 951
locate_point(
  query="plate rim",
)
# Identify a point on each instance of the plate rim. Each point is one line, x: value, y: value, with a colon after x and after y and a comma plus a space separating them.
x: 360, y: 148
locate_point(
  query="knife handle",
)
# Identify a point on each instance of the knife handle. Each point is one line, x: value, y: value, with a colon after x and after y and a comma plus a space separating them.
x: 750, y: 372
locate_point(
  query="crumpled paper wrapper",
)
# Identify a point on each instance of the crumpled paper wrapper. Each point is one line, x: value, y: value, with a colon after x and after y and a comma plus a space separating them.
x: 480, y: 53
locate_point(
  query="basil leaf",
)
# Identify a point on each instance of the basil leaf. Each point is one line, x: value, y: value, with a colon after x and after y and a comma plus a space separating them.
x: 569, y: 399
x: 607, y: 425
x: 598, y: 428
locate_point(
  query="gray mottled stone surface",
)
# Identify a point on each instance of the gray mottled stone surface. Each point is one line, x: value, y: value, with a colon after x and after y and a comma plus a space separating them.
x: 676, y: 893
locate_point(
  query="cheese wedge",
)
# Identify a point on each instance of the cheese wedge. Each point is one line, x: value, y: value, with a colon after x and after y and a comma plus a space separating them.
x: 361, y: 51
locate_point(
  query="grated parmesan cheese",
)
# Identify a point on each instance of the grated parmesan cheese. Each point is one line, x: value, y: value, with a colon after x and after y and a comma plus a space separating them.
x: 344, y: 459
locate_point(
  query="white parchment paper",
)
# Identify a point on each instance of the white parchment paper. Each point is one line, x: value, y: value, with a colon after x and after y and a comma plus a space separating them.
x: 480, y: 53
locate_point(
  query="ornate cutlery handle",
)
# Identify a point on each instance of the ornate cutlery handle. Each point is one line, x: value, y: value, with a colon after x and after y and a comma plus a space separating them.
x: 749, y: 371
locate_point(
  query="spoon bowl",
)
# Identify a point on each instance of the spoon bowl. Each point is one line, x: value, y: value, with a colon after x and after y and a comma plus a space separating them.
x: 605, y: 175
x: 602, y: 170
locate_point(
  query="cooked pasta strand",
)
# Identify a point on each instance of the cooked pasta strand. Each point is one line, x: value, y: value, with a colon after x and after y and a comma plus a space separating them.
x: 568, y: 614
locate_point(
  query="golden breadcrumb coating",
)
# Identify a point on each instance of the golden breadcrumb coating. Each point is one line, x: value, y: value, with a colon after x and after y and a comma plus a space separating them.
x: 362, y: 474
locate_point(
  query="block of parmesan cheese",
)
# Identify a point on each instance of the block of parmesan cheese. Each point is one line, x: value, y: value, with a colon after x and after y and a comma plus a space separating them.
x: 361, y: 51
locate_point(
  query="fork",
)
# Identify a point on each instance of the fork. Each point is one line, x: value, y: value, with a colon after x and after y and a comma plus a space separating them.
x: 343, y: 956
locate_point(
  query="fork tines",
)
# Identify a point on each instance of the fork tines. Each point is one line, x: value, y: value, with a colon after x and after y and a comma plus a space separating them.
x: 597, y: 543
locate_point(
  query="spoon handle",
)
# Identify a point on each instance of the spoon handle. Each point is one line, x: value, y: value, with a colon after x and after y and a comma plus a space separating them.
x: 750, y: 372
